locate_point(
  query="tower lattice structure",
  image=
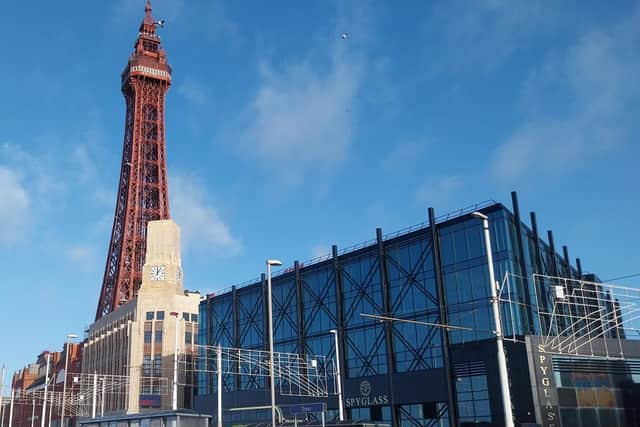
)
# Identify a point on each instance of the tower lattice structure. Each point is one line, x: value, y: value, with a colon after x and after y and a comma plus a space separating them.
x: 142, y: 191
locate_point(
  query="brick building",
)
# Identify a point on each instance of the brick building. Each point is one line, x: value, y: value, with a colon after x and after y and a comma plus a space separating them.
x: 28, y: 386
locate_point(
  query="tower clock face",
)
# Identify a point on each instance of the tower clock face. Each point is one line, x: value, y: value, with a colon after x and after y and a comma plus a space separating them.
x: 157, y: 272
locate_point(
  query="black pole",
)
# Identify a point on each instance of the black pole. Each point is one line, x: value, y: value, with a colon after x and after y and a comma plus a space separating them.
x: 552, y: 249
x: 579, y: 268
x: 299, y: 309
x: 536, y: 237
x: 444, y: 319
x: 522, y: 262
x: 236, y: 329
x: 265, y: 320
x: 567, y: 262
x: 538, y: 266
x: 388, y: 333
x: 337, y: 272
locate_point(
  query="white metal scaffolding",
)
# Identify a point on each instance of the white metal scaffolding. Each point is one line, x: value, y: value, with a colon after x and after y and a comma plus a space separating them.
x: 295, y: 374
x: 574, y: 317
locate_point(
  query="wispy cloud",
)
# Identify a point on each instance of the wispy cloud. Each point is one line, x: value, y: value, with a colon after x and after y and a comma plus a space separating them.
x: 485, y: 33
x: 598, y: 76
x: 438, y: 191
x: 403, y: 156
x: 300, y: 122
x: 301, y: 118
x: 193, y: 91
x: 201, y: 224
x: 320, y: 251
x: 82, y: 254
x: 37, y: 171
x: 15, y: 209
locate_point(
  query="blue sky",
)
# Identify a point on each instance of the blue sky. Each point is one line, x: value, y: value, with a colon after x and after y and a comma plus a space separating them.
x: 284, y: 138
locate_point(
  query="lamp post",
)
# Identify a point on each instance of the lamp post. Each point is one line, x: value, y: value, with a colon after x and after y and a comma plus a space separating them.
x: 2, y: 397
x: 271, y: 262
x: 334, y: 332
x: 502, y: 361
x: 174, y: 404
x: 46, y: 385
x: 66, y: 374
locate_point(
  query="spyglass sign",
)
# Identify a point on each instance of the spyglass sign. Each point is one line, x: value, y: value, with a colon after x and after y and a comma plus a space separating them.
x: 367, y: 397
x: 542, y: 375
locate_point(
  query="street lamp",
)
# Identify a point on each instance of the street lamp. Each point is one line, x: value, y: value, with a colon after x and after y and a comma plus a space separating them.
x: 502, y: 361
x: 271, y: 262
x: 334, y: 332
x: 46, y: 385
x: 174, y: 403
x: 66, y: 374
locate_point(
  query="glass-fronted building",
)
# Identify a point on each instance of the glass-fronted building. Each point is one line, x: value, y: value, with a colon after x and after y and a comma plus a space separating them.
x: 404, y: 373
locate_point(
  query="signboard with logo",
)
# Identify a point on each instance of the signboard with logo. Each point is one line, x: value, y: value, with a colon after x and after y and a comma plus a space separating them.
x: 304, y: 408
x: 541, y: 372
x: 368, y: 392
x: 149, y: 401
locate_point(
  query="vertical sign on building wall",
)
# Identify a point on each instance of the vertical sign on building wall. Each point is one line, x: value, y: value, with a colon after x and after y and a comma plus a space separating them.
x: 545, y: 395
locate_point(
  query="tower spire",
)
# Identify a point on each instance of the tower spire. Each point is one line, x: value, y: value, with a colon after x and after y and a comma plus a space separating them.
x: 148, y: 23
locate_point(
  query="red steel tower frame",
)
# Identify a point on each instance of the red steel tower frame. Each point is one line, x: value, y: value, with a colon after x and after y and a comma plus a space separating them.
x: 142, y: 191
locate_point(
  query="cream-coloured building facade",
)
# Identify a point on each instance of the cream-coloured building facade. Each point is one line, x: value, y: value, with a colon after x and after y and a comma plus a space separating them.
x: 132, y: 348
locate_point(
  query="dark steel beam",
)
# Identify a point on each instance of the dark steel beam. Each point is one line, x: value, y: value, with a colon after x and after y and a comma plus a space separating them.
x: 388, y: 332
x: 236, y: 329
x: 567, y: 261
x: 552, y: 249
x: 299, y: 309
x: 579, y: 268
x: 522, y: 262
x: 444, y: 319
x: 340, y: 326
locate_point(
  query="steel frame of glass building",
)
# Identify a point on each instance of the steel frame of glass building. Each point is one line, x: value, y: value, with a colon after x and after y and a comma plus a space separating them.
x: 400, y: 373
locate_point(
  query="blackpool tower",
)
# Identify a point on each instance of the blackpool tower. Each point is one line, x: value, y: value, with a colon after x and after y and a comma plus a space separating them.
x: 142, y: 191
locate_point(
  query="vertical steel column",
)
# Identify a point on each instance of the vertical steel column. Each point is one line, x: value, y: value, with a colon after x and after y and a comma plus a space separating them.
x: 579, y: 268
x: 219, y: 373
x: 536, y: 236
x: 236, y: 329
x: 388, y: 331
x: 538, y: 268
x: 340, y: 326
x: 208, y: 340
x: 565, y: 253
x: 299, y: 309
x: 265, y: 317
x: 523, y: 263
x: 552, y: 249
x: 444, y: 319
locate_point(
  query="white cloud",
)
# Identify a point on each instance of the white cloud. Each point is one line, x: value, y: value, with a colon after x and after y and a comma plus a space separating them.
x: 404, y: 156
x: 301, y: 118
x: 320, y: 251
x: 486, y: 33
x: 600, y: 85
x: 82, y: 254
x: 84, y: 162
x: 438, y: 190
x: 299, y: 124
x: 15, y: 206
x: 198, y: 219
x: 193, y: 91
